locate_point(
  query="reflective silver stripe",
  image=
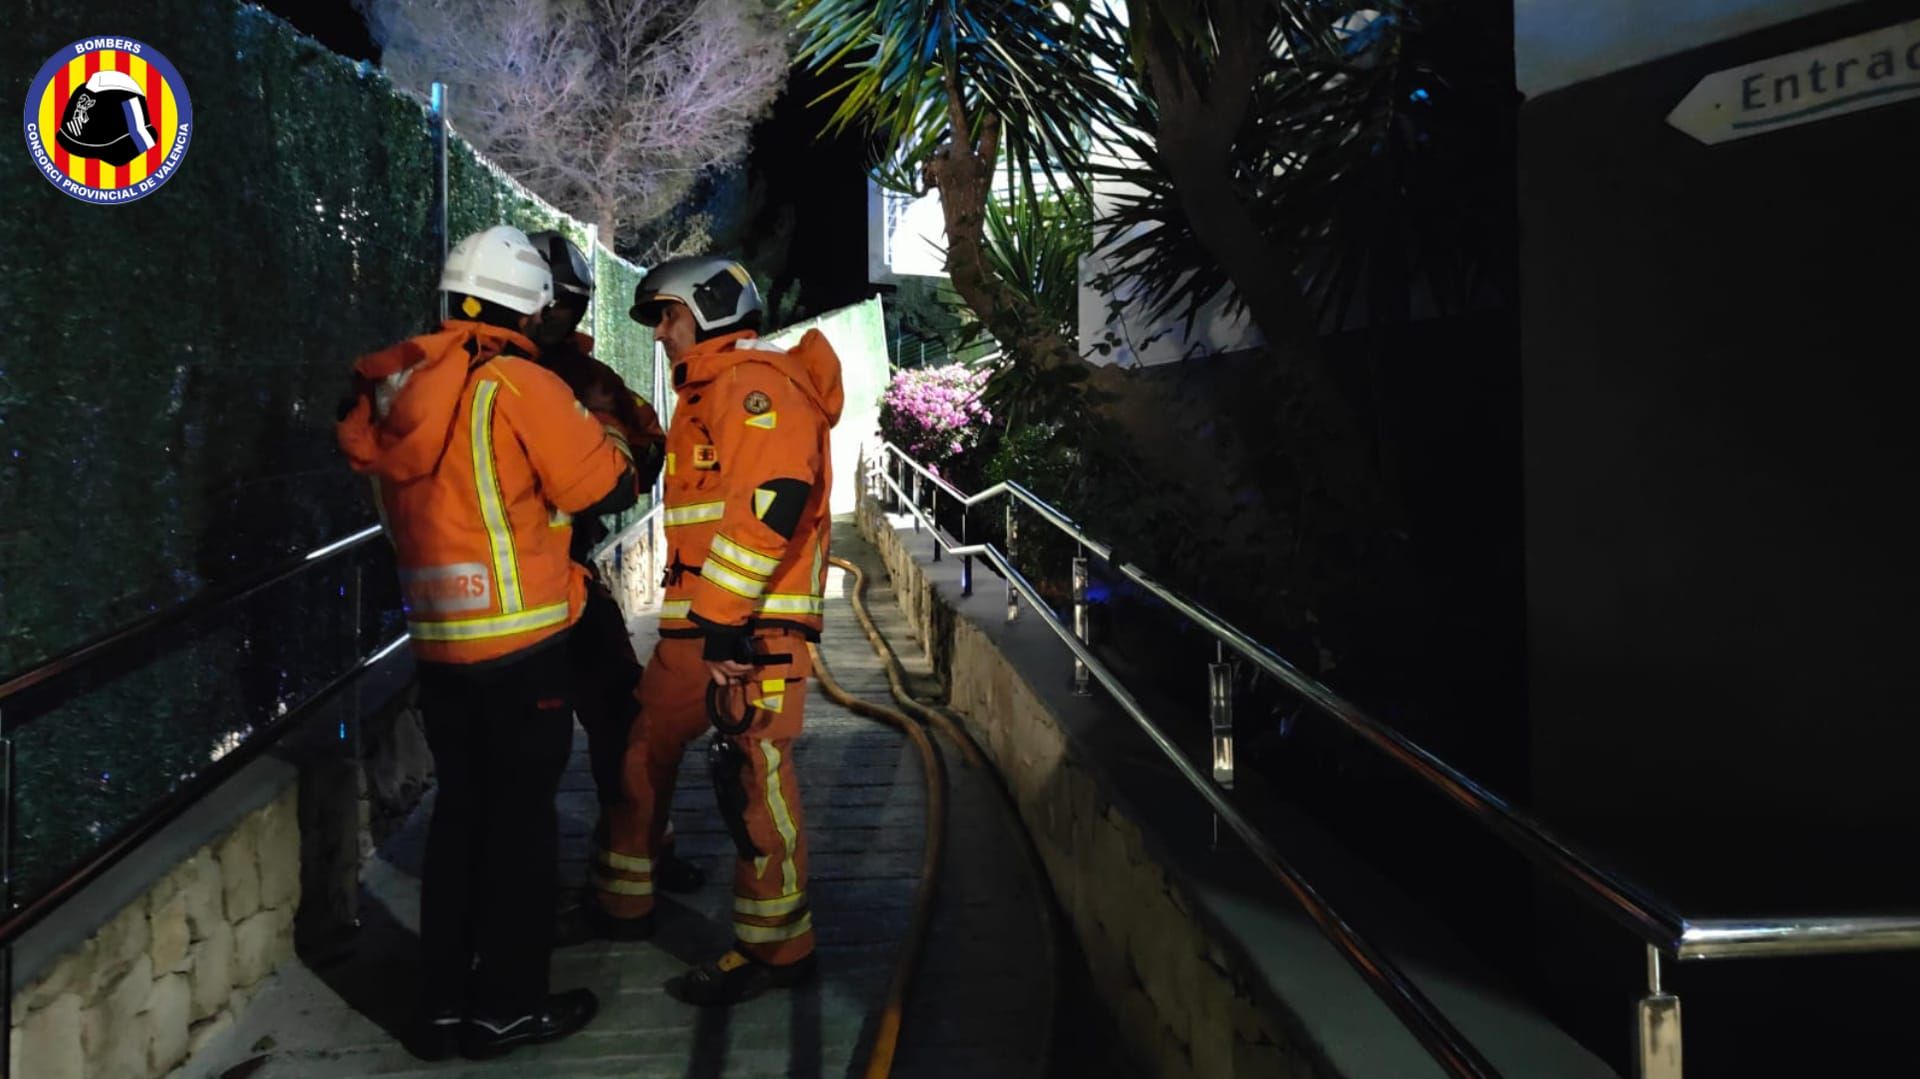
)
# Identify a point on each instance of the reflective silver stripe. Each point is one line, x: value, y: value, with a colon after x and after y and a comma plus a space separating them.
x: 820, y: 564
x: 616, y: 860
x: 622, y: 886
x: 474, y: 629
x: 493, y: 510
x: 773, y: 934
x: 782, y: 821
x: 698, y: 513
x: 786, y: 603
x: 738, y: 584
x: 744, y: 557
x: 676, y: 608
x: 769, y: 908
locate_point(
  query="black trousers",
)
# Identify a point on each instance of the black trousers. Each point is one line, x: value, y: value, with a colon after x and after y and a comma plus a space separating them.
x: 605, y: 673
x: 500, y: 738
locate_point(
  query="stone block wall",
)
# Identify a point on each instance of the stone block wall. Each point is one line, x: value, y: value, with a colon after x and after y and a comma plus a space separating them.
x: 173, y: 967
x: 1179, y: 997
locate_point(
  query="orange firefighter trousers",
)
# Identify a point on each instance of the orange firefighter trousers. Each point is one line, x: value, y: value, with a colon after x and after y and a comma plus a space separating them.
x: 771, y: 920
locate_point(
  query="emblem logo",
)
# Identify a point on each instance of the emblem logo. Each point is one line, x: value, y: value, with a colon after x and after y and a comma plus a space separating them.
x: 757, y: 402
x: 108, y: 120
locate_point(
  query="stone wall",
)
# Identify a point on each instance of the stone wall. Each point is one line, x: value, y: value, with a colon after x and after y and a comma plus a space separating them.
x: 173, y: 967
x: 1180, y: 997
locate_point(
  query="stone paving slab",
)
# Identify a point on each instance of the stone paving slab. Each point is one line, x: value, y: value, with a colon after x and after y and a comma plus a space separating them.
x: 982, y: 1008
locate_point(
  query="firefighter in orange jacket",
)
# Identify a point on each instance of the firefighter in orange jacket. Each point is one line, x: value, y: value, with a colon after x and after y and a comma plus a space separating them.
x: 748, y: 473
x: 479, y: 456
x: 606, y: 671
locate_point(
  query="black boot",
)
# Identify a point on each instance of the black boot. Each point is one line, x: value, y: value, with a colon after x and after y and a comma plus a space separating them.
x: 435, y: 1035
x: 563, y: 1014
x: 736, y: 977
x: 604, y: 926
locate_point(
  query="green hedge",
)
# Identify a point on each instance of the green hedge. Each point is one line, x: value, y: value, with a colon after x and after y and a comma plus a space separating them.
x: 168, y: 387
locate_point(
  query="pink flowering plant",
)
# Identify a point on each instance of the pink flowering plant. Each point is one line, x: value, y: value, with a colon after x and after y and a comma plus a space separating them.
x: 936, y: 414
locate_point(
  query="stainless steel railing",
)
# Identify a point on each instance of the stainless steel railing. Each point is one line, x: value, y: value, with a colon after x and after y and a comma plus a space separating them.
x: 1448, y: 1047
x: 1662, y: 928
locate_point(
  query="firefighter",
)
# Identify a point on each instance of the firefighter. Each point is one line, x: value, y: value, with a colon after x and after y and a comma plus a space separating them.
x: 605, y: 670
x: 746, y: 519
x: 478, y: 457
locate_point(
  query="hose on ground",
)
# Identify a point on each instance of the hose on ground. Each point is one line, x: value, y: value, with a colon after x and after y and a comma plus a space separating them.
x: 896, y: 674
x: 886, y: 1039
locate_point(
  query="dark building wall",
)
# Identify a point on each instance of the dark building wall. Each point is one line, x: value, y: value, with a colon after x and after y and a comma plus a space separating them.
x: 1719, y: 348
x: 1720, y: 388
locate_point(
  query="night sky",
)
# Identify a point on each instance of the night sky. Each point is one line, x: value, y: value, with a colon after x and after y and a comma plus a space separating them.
x: 823, y: 181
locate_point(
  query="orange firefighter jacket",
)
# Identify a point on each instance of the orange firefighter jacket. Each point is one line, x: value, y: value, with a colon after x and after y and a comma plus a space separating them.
x: 479, y: 458
x: 748, y: 474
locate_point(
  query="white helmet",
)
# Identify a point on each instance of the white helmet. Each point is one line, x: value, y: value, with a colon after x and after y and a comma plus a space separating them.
x: 718, y: 291
x: 499, y: 265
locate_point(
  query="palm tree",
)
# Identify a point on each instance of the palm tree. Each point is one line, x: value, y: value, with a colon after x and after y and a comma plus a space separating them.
x: 955, y: 86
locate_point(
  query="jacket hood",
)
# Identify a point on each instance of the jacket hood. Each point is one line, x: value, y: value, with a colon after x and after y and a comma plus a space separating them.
x: 811, y: 363
x: 407, y: 395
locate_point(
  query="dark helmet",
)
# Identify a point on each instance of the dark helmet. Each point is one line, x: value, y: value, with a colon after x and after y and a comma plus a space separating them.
x: 718, y: 291
x: 572, y: 271
x: 106, y: 119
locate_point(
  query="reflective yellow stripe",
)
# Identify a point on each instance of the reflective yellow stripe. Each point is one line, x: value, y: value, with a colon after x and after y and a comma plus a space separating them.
x: 699, y: 513
x: 676, y: 608
x: 616, y: 860
x: 786, y: 603
x: 474, y: 629
x: 820, y: 565
x: 764, y: 934
x: 493, y: 508
x: 745, y: 557
x: 769, y: 908
x: 622, y: 886
x: 773, y: 685
x: 737, y: 583
x: 774, y: 703
x: 782, y: 821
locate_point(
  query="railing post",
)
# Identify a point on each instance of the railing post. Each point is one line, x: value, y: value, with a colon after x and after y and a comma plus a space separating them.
x: 1656, y: 1032
x: 438, y: 103
x: 916, y: 500
x: 1081, y: 676
x: 1013, y: 594
x: 356, y: 595
x: 966, y: 560
x: 1220, y: 711
x: 6, y: 886
x: 933, y: 515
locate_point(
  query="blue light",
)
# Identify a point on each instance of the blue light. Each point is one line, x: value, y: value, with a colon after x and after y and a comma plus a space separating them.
x: 1418, y: 95
x: 343, y: 730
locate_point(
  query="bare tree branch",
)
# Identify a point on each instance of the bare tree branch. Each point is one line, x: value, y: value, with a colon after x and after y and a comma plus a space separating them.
x: 610, y: 109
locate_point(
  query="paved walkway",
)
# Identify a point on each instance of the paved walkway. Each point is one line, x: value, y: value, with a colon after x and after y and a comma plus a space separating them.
x: 983, y: 1005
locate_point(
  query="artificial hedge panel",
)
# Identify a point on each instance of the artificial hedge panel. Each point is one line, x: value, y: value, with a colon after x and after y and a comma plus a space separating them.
x: 168, y: 390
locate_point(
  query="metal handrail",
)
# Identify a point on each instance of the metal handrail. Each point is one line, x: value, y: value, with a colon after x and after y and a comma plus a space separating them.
x: 1658, y: 923
x: 1448, y: 1047
x: 13, y: 924
x: 132, y: 633
x: 1628, y: 902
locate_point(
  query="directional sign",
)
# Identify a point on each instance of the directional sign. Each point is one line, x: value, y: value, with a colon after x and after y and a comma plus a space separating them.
x: 1814, y: 84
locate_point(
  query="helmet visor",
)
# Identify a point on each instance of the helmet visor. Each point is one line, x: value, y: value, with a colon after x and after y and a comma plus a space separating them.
x: 648, y: 312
